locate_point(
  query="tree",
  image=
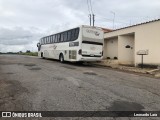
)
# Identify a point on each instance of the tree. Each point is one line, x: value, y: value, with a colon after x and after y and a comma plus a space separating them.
x: 20, y: 52
x: 28, y: 51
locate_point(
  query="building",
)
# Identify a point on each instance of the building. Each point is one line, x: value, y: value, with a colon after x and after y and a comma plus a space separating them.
x: 122, y: 46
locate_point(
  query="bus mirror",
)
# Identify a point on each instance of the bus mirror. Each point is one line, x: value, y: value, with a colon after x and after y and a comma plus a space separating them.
x: 38, y: 44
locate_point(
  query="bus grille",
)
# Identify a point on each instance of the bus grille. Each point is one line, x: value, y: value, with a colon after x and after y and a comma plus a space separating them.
x: 72, y: 54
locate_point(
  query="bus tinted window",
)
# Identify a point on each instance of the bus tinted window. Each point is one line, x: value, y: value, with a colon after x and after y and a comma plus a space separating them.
x: 65, y: 36
x: 76, y: 33
x: 44, y: 40
x: 58, y: 38
x: 48, y: 39
x: 62, y: 37
x: 53, y: 37
x: 72, y: 34
x: 69, y: 36
x: 41, y: 41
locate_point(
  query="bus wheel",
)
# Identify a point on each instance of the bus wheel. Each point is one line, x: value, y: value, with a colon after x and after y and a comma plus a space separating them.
x: 61, y: 58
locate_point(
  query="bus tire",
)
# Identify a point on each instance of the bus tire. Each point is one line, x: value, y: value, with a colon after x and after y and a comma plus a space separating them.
x: 61, y: 58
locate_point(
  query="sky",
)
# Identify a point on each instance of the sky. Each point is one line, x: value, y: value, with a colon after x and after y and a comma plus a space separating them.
x: 24, y: 22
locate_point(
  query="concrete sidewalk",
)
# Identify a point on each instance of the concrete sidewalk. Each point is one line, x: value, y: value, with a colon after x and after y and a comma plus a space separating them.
x: 151, y: 71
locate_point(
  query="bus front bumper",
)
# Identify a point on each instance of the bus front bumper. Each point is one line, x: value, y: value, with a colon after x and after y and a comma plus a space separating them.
x: 90, y: 59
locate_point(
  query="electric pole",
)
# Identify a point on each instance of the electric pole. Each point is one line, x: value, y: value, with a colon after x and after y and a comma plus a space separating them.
x: 90, y: 19
x: 93, y: 18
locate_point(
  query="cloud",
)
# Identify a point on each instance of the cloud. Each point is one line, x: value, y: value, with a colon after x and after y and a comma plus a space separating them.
x: 24, y: 22
x: 19, y: 39
x: 17, y: 36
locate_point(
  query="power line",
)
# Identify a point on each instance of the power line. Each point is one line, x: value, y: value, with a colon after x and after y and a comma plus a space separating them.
x: 91, y: 6
x: 90, y: 19
x: 111, y: 20
x: 88, y: 7
x: 91, y: 14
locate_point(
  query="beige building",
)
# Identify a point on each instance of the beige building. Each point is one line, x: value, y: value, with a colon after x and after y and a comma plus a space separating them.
x: 121, y: 46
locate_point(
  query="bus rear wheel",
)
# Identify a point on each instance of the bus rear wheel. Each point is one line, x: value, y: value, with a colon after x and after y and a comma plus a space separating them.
x: 61, y: 58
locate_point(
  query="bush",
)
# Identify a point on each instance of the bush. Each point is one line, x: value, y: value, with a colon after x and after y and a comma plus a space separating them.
x: 30, y: 54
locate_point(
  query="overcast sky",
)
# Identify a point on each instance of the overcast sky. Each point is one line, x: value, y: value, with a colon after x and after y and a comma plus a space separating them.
x: 24, y: 22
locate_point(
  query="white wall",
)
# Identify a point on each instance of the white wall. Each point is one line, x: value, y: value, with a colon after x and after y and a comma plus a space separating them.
x: 126, y: 55
x: 147, y: 37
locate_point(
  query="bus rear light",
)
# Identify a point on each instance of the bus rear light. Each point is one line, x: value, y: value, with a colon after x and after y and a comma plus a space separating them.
x: 80, y: 52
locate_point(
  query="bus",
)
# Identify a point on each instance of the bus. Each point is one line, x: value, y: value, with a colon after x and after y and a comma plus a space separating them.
x: 83, y: 43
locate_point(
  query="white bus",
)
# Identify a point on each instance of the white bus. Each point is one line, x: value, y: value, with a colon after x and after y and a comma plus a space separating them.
x: 83, y: 43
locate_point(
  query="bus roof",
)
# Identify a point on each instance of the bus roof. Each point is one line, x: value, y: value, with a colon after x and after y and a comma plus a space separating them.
x: 80, y: 26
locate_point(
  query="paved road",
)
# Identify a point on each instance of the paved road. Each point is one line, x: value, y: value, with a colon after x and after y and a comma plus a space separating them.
x: 31, y: 83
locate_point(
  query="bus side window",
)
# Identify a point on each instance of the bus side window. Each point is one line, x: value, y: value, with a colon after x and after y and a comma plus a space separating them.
x: 58, y: 38
x: 61, y: 37
x: 41, y: 41
x: 50, y: 39
x: 47, y: 40
x: 44, y: 40
x: 65, y: 36
x: 69, y: 36
x: 76, y: 33
x: 73, y: 35
x: 53, y: 37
